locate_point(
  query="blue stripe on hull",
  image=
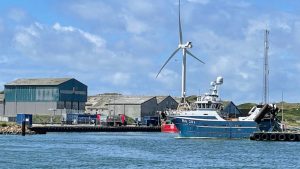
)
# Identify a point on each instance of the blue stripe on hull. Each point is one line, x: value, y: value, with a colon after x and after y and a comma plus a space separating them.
x: 215, y: 129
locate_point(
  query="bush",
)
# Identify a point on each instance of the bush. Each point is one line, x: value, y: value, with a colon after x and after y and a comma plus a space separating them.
x: 4, y: 125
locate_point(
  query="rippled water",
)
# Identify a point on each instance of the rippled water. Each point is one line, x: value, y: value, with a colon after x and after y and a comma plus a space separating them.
x: 142, y: 150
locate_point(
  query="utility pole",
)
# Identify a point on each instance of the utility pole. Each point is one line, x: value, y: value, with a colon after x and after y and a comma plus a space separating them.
x: 266, y: 70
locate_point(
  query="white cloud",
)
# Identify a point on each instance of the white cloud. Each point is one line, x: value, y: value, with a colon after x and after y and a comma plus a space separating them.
x: 244, y: 75
x: 23, y: 39
x: 64, y: 45
x: 239, y: 4
x: 96, y: 40
x: 284, y: 26
x: 74, y: 50
x: 17, y: 14
x: 1, y: 26
x: 26, y: 35
x: 145, y: 7
x: 120, y: 78
x: 167, y: 77
x: 57, y: 27
x: 92, y: 10
x: 256, y: 26
x: 221, y: 65
x: 133, y: 25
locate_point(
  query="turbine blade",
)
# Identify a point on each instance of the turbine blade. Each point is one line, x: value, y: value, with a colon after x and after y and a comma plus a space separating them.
x: 167, y: 61
x: 188, y: 52
x: 179, y: 22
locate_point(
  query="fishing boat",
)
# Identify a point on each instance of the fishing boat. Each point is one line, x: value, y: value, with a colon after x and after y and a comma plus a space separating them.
x: 205, y: 118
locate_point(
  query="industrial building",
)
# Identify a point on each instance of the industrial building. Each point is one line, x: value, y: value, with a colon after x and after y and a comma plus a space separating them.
x: 135, y: 107
x: 44, y: 96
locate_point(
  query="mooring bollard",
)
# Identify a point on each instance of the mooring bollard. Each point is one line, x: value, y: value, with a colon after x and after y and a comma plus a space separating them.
x: 23, y: 128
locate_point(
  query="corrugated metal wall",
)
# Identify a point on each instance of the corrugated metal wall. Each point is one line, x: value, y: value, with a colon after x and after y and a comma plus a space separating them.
x: 31, y: 94
x: 41, y: 108
x: 1, y: 108
x: 132, y: 111
x: 149, y: 107
x: 72, y: 91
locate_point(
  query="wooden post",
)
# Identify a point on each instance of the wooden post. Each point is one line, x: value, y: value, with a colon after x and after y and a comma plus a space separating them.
x: 23, y: 128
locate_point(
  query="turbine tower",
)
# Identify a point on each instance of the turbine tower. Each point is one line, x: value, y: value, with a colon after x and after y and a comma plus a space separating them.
x: 184, y: 47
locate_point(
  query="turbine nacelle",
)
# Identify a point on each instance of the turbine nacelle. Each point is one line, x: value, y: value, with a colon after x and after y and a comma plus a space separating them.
x: 187, y: 45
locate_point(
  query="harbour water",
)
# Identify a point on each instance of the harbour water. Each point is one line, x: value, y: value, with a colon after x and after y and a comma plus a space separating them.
x: 142, y: 150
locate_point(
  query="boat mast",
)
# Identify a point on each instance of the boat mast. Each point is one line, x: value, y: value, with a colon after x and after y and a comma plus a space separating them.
x: 266, y: 70
x: 282, y: 107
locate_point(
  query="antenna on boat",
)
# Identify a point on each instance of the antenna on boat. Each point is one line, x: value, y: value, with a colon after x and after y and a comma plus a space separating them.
x: 184, y: 47
x: 266, y: 70
x: 215, y: 84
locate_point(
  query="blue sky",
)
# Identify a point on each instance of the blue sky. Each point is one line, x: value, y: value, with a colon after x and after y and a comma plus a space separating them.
x: 119, y: 45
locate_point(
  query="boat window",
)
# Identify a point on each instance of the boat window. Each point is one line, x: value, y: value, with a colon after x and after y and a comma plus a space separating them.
x: 206, y: 114
x: 214, y: 106
x: 208, y: 105
x: 199, y: 106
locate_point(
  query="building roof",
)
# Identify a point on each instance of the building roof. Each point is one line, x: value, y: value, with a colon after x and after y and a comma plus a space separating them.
x: 161, y: 98
x: 131, y: 99
x: 100, y: 101
x: 38, y: 82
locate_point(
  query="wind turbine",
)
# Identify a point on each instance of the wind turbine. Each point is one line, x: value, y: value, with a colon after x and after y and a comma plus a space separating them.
x: 185, y: 51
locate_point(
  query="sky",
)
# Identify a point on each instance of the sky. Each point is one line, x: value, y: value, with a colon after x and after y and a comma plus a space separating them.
x: 120, y: 45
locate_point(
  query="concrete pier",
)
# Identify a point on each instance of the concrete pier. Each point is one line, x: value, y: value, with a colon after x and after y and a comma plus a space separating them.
x: 45, y: 129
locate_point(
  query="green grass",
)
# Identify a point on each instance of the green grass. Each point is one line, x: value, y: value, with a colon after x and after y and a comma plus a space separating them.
x: 291, y: 116
x: 246, y: 105
x: 45, y: 119
x: 5, y: 124
x: 191, y: 99
x: 130, y: 120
